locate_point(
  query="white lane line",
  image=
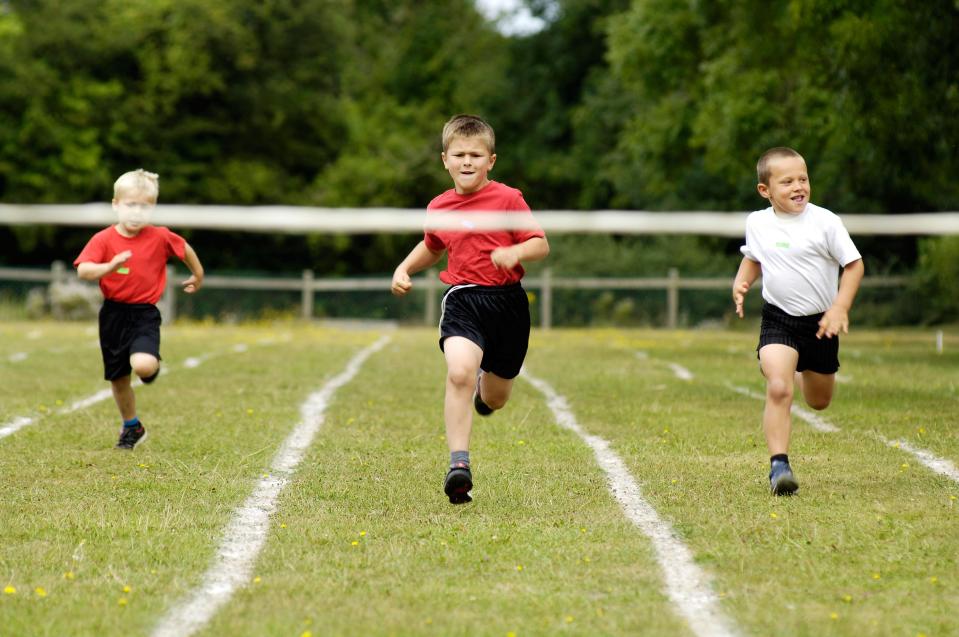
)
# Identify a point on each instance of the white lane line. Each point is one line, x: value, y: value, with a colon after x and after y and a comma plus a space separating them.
x: 16, y: 357
x: 681, y: 372
x: 938, y: 465
x: 246, y: 532
x: 678, y: 370
x: 18, y: 423
x: 686, y: 584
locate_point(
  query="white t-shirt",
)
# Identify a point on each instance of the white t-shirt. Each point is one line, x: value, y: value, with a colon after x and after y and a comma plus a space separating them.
x: 800, y: 257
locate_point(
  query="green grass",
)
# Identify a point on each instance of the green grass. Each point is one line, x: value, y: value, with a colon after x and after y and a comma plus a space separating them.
x: 363, y: 541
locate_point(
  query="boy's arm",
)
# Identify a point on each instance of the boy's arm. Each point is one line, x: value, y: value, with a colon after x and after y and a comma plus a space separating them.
x: 749, y: 271
x: 836, y: 318
x: 192, y: 261
x: 418, y: 259
x: 535, y: 249
x: 89, y: 271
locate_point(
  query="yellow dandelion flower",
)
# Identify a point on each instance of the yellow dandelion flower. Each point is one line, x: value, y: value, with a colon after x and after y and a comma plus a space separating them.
x: 922, y: 430
x: 307, y: 633
x: 876, y: 576
x: 122, y: 601
x: 952, y: 498
x: 282, y: 525
x: 847, y: 598
x: 582, y: 530
x: 9, y: 590
x: 40, y: 591
x: 904, y: 465
x: 896, y: 444
x: 674, y: 481
x: 510, y: 634
x: 568, y: 619
x: 257, y: 579
x: 773, y: 515
x: 116, y: 477
x: 586, y: 559
x: 933, y: 580
x: 355, y: 543
x: 362, y: 533
x: 834, y: 616
x: 429, y: 620
x: 249, y: 412
x: 521, y: 442
x: 69, y: 575
x: 142, y: 466
x: 127, y: 589
x: 59, y: 402
x: 519, y: 567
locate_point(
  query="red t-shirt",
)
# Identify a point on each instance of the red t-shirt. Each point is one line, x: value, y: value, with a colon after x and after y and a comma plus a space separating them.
x: 142, y: 278
x: 469, y: 252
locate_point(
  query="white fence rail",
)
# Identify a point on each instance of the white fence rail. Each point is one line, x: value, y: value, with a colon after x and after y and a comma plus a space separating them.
x: 300, y: 220
x: 308, y: 286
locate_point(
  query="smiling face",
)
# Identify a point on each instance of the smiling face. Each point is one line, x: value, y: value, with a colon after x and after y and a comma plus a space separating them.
x: 468, y: 161
x: 788, y: 188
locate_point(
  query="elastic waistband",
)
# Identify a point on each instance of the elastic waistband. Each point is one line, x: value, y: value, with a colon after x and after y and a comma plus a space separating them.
x: 772, y: 310
x: 117, y: 305
x: 486, y: 289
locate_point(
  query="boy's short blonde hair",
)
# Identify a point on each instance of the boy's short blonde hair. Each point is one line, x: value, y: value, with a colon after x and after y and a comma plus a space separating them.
x: 762, y: 166
x: 468, y: 126
x: 137, y: 181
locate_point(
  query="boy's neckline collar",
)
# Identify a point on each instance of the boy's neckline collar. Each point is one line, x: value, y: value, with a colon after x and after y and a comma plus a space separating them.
x: 116, y: 228
x: 789, y: 216
x: 475, y: 192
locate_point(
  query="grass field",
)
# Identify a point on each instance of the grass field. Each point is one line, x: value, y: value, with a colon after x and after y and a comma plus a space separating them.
x: 361, y: 540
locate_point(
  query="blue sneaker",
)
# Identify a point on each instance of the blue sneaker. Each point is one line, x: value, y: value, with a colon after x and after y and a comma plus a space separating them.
x: 781, y: 479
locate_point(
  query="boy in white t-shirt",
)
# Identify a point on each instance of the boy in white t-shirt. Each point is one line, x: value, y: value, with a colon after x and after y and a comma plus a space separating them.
x: 798, y: 248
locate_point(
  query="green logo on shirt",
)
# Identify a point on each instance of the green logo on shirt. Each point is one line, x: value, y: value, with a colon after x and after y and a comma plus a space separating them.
x: 123, y: 270
x: 782, y: 244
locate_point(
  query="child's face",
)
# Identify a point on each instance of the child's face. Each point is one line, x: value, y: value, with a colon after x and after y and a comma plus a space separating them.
x: 133, y: 211
x: 468, y: 161
x: 788, y: 187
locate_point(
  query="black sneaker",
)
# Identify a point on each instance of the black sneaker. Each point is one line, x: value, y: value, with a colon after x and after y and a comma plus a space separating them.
x: 152, y: 377
x: 130, y: 437
x: 481, y: 408
x: 781, y: 479
x: 459, y: 482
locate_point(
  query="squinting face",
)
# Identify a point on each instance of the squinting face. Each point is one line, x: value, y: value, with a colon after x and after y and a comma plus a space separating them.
x: 788, y: 188
x: 133, y: 211
x: 468, y: 161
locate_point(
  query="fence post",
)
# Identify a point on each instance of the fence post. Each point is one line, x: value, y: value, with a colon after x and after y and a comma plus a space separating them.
x: 429, y: 309
x: 58, y: 272
x: 307, y: 296
x: 167, y: 304
x: 546, y: 306
x: 672, y: 299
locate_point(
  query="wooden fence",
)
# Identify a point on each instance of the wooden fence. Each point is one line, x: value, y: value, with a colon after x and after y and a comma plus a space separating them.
x: 308, y: 286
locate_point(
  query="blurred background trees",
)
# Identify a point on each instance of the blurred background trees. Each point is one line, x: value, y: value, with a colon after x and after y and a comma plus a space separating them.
x: 631, y: 104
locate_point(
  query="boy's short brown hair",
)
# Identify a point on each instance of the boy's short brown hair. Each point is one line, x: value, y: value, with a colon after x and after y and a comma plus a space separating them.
x: 137, y: 181
x: 468, y: 126
x: 762, y: 166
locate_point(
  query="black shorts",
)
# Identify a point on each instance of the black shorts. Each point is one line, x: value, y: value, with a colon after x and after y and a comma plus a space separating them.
x: 494, y: 317
x: 125, y: 329
x: 799, y: 332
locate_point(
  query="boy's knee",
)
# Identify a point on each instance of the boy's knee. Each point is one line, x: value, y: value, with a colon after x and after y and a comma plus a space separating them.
x: 818, y: 402
x: 144, y: 368
x: 779, y: 390
x: 495, y: 402
x: 460, y: 376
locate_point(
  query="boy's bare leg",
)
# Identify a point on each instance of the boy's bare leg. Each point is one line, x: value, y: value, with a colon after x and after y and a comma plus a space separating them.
x: 817, y: 388
x: 124, y: 397
x: 144, y: 365
x: 463, y: 358
x: 778, y: 365
x: 495, y: 390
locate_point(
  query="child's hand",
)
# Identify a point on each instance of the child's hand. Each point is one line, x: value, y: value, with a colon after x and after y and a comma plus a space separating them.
x: 120, y: 259
x: 505, y: 258
x: 739, y: 295
x: 834, y: 320
x: 401, y: 283
x: 192, y: 284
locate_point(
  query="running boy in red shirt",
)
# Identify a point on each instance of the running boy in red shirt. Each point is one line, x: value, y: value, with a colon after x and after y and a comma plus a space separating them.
x: 485, y: 323
x: 129, y: 260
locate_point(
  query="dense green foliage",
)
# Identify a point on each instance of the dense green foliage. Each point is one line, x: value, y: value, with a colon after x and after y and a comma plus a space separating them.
x: 634, y: 104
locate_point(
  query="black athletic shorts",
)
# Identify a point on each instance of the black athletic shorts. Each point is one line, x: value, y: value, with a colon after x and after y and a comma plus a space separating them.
x: 494, y: 317
x: 799, y: 332
x: 125, y: 329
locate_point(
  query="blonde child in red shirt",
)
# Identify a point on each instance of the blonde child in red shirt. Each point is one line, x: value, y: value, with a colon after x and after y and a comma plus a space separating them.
x: 129, y: 260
